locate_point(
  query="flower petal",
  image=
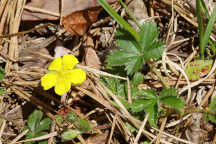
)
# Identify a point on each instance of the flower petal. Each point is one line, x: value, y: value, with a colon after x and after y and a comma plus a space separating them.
x: 77, y: 76
x: 48, y: 80
x: 56, y: 64
x: 69, y: 61
x: 62, y: 86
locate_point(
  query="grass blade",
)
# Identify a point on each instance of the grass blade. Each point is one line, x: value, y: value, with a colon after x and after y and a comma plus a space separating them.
x: 209, y: 28
x: 200, y: 27
x: 118, y: 18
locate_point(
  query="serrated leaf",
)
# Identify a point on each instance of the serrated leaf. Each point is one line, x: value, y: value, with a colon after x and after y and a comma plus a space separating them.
x: 148, y: 33
x: 134, y: 64
x: 173, y: 102
x: 128, y: 55
x: 44, y: 125
x: 137, y: 78
x: 140, y: 105
x: 147, y: 94
x: 155, y: 50
x: 195, y: 69
x: 115, y: 85
x: 125, y: 40
x: 148, y: 102
x: 168, y: 92
x: 153, y: 113
x: 34, y: 120
x: 70, y: 134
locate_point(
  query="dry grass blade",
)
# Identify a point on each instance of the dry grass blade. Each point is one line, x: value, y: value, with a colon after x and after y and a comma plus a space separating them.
x: 40, y: 137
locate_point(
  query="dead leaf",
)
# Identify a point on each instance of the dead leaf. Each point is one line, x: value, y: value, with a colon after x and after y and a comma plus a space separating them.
x: 77, y: 23
x: 98, y: 139
x: 91, y: 58
x: 53, y: 6
x: 77, y: 15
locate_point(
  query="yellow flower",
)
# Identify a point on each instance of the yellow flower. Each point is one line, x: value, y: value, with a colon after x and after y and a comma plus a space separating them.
x: 62, y: 74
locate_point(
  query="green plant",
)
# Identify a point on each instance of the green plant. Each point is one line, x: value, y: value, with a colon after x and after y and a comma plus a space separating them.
x: 37, y: 127
x: 81, y: 126
x: 136, y: 48
x: 2, y: 74
x: 204, y: 31
x: 144, y: 100
x: 210, y: 113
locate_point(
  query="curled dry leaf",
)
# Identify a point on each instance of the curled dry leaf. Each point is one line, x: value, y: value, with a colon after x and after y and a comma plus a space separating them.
x: 77, y: 14
x: 77, y: 23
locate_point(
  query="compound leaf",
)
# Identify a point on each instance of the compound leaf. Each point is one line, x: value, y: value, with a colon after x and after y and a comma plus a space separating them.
x: 173, y: 102
x: 168, y: 92
x: 148, y: 33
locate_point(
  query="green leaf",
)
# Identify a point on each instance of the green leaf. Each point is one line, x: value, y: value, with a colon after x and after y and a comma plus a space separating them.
x: 209, y: 28
x: 137, y: 79
x: 44, y: 125
x: 212, y: 108
x: 70, y: 134
x: 133, y: 54
x: 200, y: 26
x: 129, y: 53
x: 173, y: 102
x: 2, y: 73
x: 41, y: 134
x: 141, y: 104
x: 130, y: 127
x: 155, y: 50
x: 59, y: 118
x: 115, y: 85
x: 71, y: 117
x: 3, y: 91
x: 153, y: 114
x: 198, y: 67
x: 168, y: 92
x: 118, y: 18
x: 34, y: 120
x: 147, y: 94
x: 84, y: 125
x: 148, y: 33
x: 43, y: 142
x: 29, y: 135
x: 149, y: 106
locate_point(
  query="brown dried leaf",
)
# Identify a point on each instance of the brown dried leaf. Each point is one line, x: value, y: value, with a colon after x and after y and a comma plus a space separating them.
x: 78, y: 22
x: 91, y: 58
x: 77, y: 15
x: 98, y: 139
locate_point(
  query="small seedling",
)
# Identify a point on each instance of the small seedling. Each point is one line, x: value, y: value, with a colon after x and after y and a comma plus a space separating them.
x: 204, y: 32
x: 145, y: 100
x: 136, y: 48
x: 81, y: 126
x: 37, y: 127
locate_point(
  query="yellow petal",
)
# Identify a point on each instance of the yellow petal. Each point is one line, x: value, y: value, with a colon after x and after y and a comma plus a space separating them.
x: 48, y: 80
x: 77, y: 76
x: 69, y: 61
x: 62, y: 86
x: 56, y: 64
